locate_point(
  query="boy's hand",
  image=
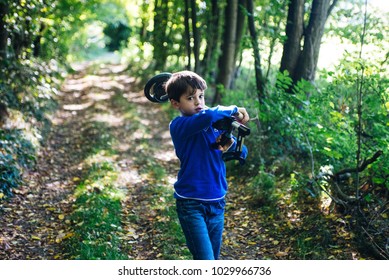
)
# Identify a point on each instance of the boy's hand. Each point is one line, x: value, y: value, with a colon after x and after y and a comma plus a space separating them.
x: 242, y: 116
x: 226, y: 145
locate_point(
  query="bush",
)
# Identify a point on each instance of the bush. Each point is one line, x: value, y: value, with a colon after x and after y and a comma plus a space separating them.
x: 117, y: 34
x: 261, y: 188
x: 16, y: 153
x: 27, y: 93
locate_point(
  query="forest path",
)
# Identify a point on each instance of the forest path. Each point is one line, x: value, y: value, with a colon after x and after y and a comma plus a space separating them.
x: 101, y: 106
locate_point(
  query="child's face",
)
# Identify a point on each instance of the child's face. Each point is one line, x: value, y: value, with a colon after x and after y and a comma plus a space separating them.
x: 190, y: 103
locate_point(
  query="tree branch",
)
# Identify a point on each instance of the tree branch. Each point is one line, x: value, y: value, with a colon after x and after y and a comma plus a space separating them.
x: 332, y: 6
x: 361, y: 167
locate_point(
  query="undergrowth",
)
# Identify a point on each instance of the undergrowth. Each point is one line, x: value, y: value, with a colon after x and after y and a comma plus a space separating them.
x: 300, y: 139
x: 27, y: 97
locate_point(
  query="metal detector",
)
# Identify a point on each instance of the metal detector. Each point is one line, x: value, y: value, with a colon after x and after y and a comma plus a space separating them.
x: 228, y: 124
x: 154, y: 90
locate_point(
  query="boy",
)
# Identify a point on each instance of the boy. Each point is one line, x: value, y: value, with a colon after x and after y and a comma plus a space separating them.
x: 201, y: 184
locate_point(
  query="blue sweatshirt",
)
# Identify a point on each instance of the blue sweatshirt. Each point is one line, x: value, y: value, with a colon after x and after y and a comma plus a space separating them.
x: 202, y: 175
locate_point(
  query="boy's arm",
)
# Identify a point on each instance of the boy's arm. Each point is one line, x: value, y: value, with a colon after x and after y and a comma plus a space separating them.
x: 186, y: 126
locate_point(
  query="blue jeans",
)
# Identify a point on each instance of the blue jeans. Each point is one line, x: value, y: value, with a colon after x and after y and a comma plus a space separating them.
x: 202, y: 224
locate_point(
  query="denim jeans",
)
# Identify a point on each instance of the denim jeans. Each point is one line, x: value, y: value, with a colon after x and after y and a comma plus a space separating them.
x: 202, y: 224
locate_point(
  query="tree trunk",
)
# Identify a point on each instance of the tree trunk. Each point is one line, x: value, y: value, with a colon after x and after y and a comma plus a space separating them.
x: 240, y: 26
x: 196, y: 37
x: 306, y: 66
x: 302, y: 47
x: 259, y: 79
x: 227, y: 58
x: 294, y: 33
x: 3, y: 31
x: 161, y: 12
x: 37, y: 41
x: 143, y: 36
x: 278, y: 22
x: 187, y: 34
x: 212, y: 39
x: 240, y: 30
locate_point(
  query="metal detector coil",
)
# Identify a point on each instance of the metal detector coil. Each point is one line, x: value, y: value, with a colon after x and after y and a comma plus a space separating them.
x: 155, y: 88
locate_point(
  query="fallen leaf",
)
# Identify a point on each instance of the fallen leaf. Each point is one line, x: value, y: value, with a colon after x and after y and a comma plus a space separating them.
x: 76, y: 179
x: 34, y: 237
x: 281, y: 254
x: 5, y: 244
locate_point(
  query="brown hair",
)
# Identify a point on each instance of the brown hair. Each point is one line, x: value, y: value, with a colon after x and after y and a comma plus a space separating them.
x: 181, y: 82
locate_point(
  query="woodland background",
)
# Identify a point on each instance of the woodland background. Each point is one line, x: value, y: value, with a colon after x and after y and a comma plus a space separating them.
x: 313, y: 75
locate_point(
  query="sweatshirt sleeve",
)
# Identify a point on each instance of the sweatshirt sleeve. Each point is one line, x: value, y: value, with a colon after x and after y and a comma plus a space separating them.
x: 182, y: 127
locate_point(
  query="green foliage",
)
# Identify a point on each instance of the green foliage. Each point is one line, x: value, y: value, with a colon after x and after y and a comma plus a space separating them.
x: 319, y: 128
x: 284, y: 121
x: 29, y: 86
x: 346, y: 23
x: 344, y: 112
x: 63, y: 29
x: 118, y: 34
x: 27, y: 90
x: 62, y: 23
x: 36, y: 32
x: 261, y: 188
x: 314, y: 130
x: 9, y: 175
x: 16, y: 153
x: 22, y: 24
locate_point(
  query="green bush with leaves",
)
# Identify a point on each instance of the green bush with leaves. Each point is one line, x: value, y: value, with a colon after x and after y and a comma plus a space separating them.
x: 16, y: 153
x: 27, y: 90
x: 324, y: 128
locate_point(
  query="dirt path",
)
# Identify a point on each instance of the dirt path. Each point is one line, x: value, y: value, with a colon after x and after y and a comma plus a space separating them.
x: 33, y: 221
